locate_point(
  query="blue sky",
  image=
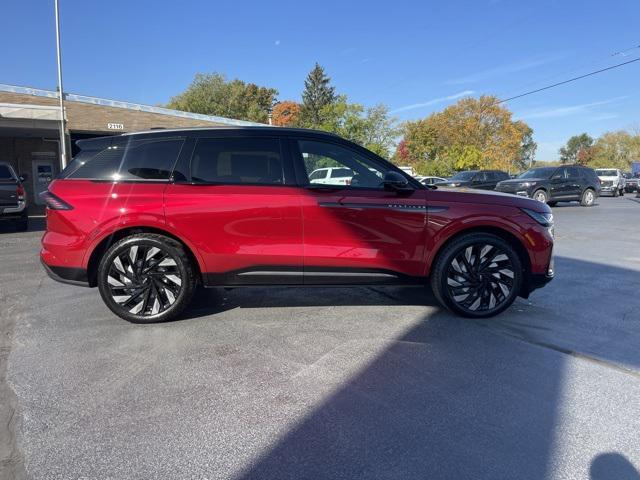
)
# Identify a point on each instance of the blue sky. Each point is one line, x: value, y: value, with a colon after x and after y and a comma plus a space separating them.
x: 414, y: 56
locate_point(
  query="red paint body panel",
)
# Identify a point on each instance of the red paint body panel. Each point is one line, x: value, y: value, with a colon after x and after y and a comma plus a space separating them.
x: 234, y: 227
x: 357, y: 229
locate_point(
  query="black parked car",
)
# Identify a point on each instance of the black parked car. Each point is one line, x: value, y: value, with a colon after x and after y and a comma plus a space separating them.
x: 553, y: 184
x: 13, y: 204
x: 481, y: 179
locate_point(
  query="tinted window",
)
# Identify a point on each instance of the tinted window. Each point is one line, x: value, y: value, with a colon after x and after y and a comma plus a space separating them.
x: 573, y: 172
x: 463, y: 176
x: 318, y: 174
x: 341, y: 172
x: 544, y: 172
x: 481, y: 177
x: 5, y: 173
x: 501, y: 175
x: 237, y: 161
x: 127, y: 159
x: 351, y: 169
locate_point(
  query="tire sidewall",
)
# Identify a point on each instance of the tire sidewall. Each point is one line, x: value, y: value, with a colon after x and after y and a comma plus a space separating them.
x: 447, y: 256
x: 185, y: 272
x: 583, y: 200
x: 538, y: 192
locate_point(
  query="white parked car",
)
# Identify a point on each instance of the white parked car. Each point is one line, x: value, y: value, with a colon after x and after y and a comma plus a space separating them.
x: 611, y: 181
x: 331, y: 176
x: 432, y: 180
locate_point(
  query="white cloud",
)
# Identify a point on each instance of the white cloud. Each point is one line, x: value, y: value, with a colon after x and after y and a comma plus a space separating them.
x: 413, y: 106
x: 277, y: 43
x: 564, y: 111
x: 503, y: 70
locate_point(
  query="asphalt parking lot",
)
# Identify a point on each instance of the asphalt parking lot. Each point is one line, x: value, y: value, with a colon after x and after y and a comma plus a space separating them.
x: 281, y: 383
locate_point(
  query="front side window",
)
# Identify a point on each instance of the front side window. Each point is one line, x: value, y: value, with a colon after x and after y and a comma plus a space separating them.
x: 348, y: 168
x: 127, y: 159
x: 463, y: 176
x: 255, y: 161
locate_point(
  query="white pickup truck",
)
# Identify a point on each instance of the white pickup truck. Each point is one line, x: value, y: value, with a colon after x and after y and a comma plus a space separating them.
x: 611, y: 181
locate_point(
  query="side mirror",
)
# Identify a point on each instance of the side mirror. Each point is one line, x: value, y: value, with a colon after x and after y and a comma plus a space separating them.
x: 23, y: 177
x: 396, y: 182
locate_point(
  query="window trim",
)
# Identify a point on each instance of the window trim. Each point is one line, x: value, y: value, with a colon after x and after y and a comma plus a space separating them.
x: 286, y: 177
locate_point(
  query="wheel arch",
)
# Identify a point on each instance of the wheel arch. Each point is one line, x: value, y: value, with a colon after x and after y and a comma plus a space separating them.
x: 502, y: 233
x: 117, y: 235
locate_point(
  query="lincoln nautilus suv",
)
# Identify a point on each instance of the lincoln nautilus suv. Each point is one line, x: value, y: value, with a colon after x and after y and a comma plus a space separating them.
x: 148, y: 217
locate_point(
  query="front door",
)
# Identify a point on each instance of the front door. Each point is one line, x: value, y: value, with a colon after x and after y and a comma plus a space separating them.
x: 560, y: 184
x: 43, y: 173
x: 234, y: 204
x: 358, y: 232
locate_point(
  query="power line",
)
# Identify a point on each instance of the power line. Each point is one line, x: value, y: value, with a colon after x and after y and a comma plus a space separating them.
x: 568, y: 81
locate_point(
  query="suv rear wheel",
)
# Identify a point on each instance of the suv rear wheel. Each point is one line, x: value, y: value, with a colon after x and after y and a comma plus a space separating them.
x: 588, y: 198
x: 146, y: 278
x: 477, y: 275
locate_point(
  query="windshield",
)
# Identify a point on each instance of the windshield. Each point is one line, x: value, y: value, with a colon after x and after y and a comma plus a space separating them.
x: 463, y: 176
x: 606, y: 173
x: 544, y: 172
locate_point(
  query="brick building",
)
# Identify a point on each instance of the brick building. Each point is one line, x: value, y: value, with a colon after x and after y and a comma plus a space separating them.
x: 29, y: 128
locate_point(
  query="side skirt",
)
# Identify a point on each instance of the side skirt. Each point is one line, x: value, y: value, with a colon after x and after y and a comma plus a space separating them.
x: 310, y: 276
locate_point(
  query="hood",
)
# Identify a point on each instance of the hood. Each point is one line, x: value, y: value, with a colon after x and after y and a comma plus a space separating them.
x: 603, y: 177
x: 489, y: 197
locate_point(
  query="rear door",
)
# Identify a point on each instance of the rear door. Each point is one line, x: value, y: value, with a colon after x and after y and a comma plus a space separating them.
x: 573, y: 183
x: 233, y: 199
x: 357, y: 233
x: 559, y: 184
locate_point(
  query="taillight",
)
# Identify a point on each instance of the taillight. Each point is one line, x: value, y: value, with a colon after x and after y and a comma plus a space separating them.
x: 347, y: 181
x: 53, y: 202
x: 20, y: 193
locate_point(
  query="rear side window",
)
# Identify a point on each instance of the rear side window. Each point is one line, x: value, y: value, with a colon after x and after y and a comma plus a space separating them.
x: 573, y: 172
x: 5, y: 173
x: 341, y: 172
x: 130, y: 159
x: 256, y: 161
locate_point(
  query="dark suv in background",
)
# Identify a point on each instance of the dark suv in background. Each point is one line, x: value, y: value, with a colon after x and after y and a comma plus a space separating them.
x: 570, y: 183
x: 13, y: 203
x: 480, y: 179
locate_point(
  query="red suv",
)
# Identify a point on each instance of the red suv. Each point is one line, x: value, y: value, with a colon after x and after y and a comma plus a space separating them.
x: 147, y: 217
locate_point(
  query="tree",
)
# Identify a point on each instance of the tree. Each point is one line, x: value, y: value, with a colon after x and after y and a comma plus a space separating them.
x: 527, y: 150
x: 286, y: 113
x: 615, y: 150
x: 473, y: 133
x: 372, y: 128
x: 212, y: 94
x: 576, y: 149
x: 317, y: 95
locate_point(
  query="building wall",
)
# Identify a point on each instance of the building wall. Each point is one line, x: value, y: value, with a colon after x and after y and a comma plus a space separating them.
x: 83, y: 117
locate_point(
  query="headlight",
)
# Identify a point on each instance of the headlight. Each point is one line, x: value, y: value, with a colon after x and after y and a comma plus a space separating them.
x: 544, y: 219
x: 454, y: 184
x: 527, y: 184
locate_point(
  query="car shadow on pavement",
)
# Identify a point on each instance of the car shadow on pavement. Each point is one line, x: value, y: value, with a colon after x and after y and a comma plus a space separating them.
x: 451, y: 398
x: 211, y: 301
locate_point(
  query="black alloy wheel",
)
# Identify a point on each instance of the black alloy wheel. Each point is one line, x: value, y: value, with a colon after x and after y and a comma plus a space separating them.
x: 146, y: 278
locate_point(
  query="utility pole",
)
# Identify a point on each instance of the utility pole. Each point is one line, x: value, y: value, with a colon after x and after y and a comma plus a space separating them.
x: 63, y: 141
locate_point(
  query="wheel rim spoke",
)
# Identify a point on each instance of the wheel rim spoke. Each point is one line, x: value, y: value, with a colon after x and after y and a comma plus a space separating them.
x: 480, y: 277
x: 144, y: 280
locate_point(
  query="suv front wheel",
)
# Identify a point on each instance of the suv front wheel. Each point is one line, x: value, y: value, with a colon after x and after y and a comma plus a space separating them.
x: 478, y: 275
x: 146, y: 278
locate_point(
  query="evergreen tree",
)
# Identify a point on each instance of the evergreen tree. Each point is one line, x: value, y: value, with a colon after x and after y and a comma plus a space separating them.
x: 318, y: 93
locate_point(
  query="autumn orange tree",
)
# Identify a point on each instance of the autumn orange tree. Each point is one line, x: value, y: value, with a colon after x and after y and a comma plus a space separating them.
x: 286, y: 113
x: 475, y: 133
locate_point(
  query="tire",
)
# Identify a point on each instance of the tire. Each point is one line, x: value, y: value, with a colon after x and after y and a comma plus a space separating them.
x: 588, y: 198
x: 494, y: 282
x: 552, y: 204
x: 161, y: 275
x: 541, y: 196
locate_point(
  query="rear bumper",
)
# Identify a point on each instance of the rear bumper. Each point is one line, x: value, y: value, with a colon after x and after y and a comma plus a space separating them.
x: 70, y: 275
x: 14, y: 211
